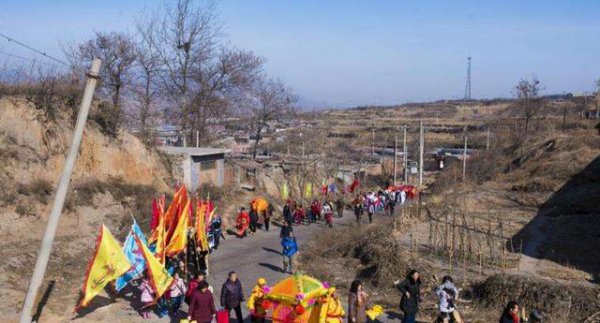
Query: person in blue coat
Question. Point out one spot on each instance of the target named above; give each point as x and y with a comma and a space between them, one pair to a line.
290, 248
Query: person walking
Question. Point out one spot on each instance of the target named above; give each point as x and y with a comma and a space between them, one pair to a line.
402, 197
511, 313
146, 298
286, 229
193, 285
392, 203
288, 215
358, 210
258, 312
242, 222
217, 231
232, 296
357, 303
370, 210
290, 248
253, 221
339, 207
411, 296
176, 293
202, 305
447, 294
268, 214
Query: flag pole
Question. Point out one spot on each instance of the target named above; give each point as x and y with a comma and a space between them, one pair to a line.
61, 193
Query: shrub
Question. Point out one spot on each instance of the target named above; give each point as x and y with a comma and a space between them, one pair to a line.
108, 117
40, 189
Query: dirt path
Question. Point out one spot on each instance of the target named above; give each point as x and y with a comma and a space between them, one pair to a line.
530, 258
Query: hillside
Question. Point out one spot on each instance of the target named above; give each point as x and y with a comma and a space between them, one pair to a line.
526, 220
114, 179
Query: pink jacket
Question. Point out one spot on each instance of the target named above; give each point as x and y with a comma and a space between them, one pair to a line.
178, 288
147, 292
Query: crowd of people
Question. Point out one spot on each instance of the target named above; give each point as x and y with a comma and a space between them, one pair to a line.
190, 284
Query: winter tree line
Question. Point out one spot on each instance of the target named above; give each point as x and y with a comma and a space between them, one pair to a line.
177, 67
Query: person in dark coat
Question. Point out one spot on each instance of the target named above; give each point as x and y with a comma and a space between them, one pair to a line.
232, 295
202, 305
253, 221
268, 214
511, 313
411, 296
286, 230
288, 215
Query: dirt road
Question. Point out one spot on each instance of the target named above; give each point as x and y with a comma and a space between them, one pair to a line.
251, 257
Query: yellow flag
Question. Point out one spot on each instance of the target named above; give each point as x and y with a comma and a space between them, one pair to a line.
158, 276
308, 192
178, 240
285, 191
160, 239
109, 263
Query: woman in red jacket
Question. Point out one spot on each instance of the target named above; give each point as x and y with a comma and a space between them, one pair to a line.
202, 306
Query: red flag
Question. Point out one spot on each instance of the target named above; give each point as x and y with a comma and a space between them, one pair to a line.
155, 214
355, 185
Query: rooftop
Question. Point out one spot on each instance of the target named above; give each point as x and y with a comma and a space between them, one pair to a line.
192, 151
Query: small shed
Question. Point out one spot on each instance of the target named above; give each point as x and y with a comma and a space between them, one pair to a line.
200, 165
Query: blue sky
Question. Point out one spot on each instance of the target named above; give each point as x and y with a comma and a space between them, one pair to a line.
344, 53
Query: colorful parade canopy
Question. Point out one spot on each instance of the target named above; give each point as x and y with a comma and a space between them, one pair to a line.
294, 298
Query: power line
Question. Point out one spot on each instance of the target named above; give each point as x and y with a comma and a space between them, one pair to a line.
27, 59
34, 50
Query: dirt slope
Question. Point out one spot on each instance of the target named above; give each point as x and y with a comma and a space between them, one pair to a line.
113, 178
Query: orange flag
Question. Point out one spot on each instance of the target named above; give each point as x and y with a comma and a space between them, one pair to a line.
108, 263
158, 276
178, 240
172, 218
179, 200
201, 238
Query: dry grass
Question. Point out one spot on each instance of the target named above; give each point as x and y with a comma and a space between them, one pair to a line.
559, 302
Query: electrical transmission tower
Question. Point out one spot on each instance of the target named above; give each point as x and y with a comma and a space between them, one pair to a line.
468, 85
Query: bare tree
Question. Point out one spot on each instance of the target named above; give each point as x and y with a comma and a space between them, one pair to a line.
220, 85
118, 54
530, 103
271, 100
186, 36
146, 87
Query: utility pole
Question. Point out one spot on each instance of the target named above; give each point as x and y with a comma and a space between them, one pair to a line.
197, 138
373, 144
405, 158
61, 192
302, 149
487, 141
395, 156
465, 160
421, 148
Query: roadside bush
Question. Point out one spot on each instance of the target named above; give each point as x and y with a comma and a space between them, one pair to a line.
208, 189
40, 189
25, 208
558, 301
108, 117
